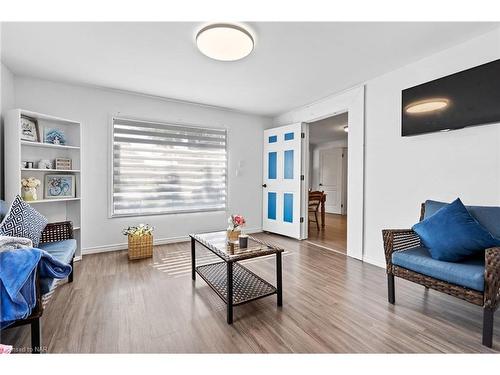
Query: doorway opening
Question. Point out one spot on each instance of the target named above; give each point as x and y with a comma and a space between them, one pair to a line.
327, 177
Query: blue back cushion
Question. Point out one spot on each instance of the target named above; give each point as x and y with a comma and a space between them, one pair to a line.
3, 209
451, 234
488, 217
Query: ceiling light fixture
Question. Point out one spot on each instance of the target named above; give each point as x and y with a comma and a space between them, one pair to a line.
428, 105
346, 129
225, 42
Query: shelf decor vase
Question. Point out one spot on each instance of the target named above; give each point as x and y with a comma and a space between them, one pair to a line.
29, 194
232, 235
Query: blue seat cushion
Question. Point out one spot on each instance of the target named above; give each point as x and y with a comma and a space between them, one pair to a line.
62, 251
468, 273
452, 234
488, 217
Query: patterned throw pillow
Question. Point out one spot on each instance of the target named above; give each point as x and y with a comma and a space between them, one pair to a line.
22, 220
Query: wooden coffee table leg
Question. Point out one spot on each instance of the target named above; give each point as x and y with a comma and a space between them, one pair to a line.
279, 286
193, 259
229, 293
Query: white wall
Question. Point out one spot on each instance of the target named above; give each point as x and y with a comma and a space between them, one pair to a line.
351, 101
400, 173
93, 107
314, 160
6, 103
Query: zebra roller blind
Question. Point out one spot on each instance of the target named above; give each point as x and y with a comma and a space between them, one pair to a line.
167, 168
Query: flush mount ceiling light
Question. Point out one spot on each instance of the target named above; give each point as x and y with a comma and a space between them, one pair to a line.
224, 42
428, 105
346, 129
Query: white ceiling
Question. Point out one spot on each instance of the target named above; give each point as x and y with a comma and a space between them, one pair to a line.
328, 130
293, 63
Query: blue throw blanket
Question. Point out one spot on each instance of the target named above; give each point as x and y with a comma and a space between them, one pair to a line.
18, 270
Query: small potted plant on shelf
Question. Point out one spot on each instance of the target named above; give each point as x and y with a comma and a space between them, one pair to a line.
236, 222
29, 186
140, 241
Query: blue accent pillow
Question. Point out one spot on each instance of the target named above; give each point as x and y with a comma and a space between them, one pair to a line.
22, 220
452, 234
3, 209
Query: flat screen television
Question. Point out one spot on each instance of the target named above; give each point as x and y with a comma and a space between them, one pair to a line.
467, 98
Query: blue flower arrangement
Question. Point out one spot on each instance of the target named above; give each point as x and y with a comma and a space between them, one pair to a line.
55, 136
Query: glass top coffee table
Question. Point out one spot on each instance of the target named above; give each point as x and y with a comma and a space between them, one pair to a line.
234, 283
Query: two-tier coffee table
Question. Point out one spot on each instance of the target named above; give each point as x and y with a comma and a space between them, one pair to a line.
234, 283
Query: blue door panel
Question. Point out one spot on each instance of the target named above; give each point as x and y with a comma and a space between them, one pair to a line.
288, 207
271, 206
288, 167
272, 165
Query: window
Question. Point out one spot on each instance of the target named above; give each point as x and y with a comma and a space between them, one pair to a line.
167, 168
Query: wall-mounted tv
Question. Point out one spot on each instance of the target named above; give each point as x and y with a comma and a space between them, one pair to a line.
467, 98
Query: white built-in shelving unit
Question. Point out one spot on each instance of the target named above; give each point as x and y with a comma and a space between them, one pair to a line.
18, 151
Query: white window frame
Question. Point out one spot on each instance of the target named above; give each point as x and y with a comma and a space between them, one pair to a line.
112, 214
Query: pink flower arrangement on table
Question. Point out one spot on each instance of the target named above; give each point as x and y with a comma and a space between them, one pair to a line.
235, 222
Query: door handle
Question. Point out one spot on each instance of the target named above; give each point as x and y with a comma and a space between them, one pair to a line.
264, 186
320, 184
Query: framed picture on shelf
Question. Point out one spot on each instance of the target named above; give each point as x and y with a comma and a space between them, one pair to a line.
29, 129
59, 186
54, 136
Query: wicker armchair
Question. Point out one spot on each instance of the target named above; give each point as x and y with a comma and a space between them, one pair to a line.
402, 239
53, 232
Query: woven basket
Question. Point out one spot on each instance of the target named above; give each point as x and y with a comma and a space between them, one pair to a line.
140, 246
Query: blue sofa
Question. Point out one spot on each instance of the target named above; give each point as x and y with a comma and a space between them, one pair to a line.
57, 239
475, 280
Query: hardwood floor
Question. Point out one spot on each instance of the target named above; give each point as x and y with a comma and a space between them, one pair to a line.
331, 304
333, 235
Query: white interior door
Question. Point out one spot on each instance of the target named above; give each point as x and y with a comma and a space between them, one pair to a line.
282, 184
330, 178
344, 181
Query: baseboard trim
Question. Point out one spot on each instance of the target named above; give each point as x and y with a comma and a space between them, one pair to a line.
365, 260
326, 248
159, 241
374, 262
